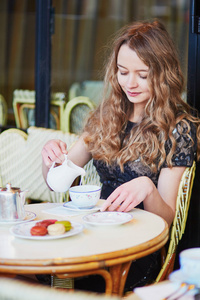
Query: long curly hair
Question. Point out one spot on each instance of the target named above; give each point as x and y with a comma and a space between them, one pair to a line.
164, 110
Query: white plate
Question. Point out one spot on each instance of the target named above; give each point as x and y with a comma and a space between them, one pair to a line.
71, 206
107, 218
29, 217
23, 231
178, 276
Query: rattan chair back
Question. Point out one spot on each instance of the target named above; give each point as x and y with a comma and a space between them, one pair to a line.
179, 223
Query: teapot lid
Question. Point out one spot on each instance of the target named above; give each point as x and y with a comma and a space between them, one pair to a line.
10, 189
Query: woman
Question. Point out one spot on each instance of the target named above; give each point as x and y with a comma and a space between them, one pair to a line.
142, 136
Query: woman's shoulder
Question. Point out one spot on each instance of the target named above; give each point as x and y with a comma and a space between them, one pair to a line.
185, 129
186, 143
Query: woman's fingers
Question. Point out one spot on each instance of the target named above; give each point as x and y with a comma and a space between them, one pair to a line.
63, 147
53, 151
114, 201
125, 197
126, 206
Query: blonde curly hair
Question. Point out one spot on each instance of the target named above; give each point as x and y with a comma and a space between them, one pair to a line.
164, 110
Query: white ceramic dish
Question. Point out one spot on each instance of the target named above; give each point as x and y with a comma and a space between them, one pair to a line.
178, 276
107, 218
30, 216
71, 206
23, 231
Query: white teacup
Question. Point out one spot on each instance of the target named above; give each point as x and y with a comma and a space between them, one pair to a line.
60, 178
190, 265
85, 196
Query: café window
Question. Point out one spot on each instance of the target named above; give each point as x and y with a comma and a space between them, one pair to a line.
82, 29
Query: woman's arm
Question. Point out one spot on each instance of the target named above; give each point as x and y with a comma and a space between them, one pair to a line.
54, 150
161, 200
166, 193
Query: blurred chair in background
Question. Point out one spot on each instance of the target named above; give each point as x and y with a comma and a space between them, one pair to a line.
24, 112
3, 111
89, 88
75, 114
68, 117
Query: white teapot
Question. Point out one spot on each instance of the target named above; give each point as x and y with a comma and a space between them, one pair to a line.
60, 178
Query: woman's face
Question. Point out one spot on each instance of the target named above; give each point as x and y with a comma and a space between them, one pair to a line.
132, 77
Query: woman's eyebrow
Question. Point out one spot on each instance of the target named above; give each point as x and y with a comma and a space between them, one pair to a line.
139, 70
142, 70
121, 66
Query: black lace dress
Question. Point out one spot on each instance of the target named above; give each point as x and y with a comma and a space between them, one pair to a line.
112, 177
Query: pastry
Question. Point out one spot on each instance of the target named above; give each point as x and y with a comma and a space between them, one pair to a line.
56, 229
67, 224
38, 230
46, 223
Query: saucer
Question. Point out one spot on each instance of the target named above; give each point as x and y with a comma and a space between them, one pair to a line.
69, 205
107, 218
178, 276
29, 217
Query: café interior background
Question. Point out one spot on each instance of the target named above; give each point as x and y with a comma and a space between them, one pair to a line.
82, 30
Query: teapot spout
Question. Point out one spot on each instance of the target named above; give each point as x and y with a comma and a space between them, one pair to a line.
75, 170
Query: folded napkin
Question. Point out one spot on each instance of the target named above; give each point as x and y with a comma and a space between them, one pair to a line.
161, 290
62, 211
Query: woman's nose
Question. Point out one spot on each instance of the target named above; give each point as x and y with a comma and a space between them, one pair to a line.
132, 82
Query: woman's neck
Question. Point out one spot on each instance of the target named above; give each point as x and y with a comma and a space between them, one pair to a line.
137, 114
135, 119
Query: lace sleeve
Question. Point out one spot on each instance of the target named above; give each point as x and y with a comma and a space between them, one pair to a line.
186, 146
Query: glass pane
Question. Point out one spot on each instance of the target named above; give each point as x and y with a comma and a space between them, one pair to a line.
17, 51
84, 28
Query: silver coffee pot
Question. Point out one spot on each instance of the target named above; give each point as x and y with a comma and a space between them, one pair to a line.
12, 201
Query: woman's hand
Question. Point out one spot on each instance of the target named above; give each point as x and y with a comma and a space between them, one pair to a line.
53, 151
160, 201
129, 195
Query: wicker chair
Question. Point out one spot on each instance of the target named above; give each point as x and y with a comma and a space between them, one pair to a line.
179, 223
88, 88
24, 109
75, 113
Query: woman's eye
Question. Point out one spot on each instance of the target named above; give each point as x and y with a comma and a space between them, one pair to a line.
123, 73
143, 76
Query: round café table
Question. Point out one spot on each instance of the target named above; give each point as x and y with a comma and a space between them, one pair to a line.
104, 250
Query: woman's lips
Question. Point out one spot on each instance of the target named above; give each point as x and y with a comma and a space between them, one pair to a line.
133, 94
